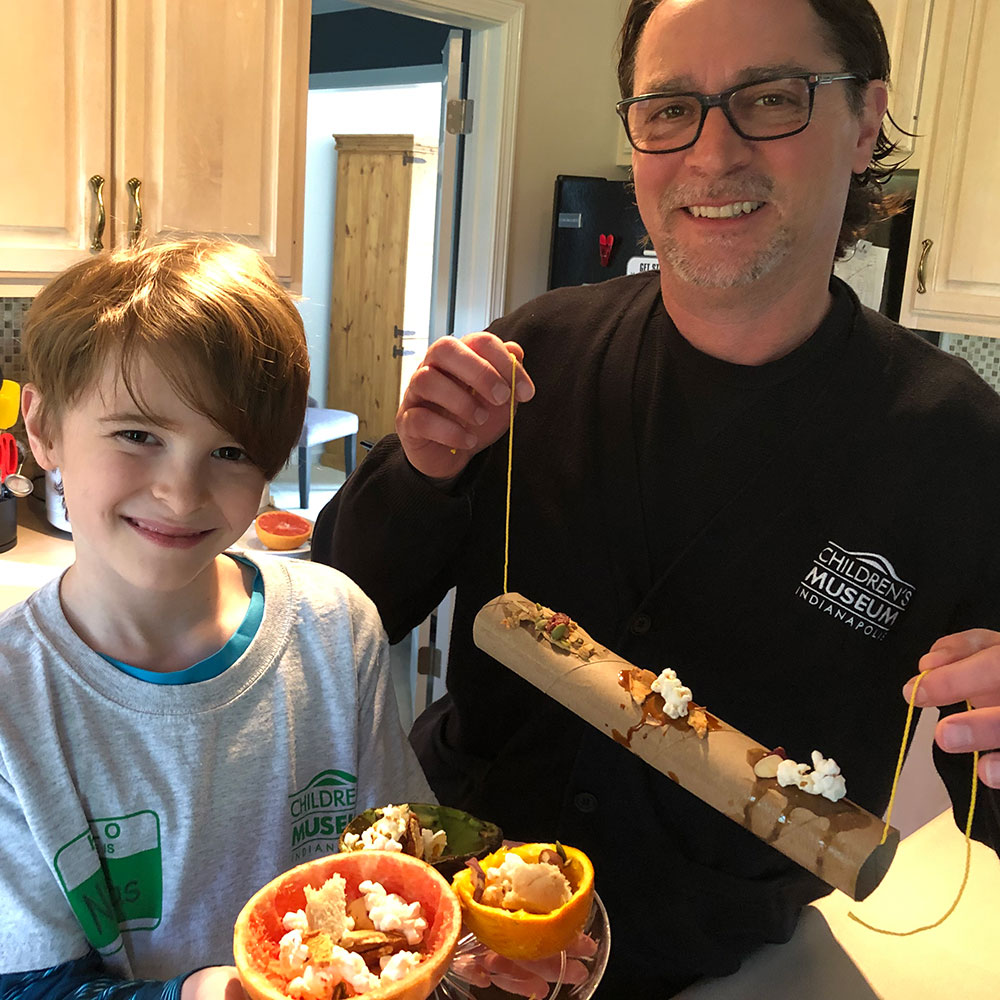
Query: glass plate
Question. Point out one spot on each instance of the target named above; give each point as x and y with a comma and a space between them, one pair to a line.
455, 987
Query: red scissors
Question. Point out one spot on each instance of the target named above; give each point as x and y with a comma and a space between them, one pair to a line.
8, 455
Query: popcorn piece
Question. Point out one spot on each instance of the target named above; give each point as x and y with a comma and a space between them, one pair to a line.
390, 912
791, 773
675, 695
350, 967
387, 832
827, 779
824, 779
396, 966
434, 844
295, 920
292, 953
520, 885
313, 984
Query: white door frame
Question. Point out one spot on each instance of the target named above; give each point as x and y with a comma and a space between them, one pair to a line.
488, 175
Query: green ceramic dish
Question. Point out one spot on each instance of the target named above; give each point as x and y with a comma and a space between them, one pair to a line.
468, 837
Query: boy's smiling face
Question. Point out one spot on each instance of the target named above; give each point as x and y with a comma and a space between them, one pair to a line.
152, 501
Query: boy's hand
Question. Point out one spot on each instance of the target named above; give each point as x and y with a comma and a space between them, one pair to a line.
458, 402
219, 982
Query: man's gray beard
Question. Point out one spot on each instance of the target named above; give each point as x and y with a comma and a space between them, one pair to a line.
721, 272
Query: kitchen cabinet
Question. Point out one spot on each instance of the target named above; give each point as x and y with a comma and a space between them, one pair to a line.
953, 279
181, 117
907, 26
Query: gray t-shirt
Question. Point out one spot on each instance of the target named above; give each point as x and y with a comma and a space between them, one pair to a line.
137, 818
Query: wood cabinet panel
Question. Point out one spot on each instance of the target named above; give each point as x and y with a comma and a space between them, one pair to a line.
210, 103
957, 212
203, 104
907, 26
55, 119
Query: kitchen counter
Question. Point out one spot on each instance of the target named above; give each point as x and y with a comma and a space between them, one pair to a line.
41, 553
830, 957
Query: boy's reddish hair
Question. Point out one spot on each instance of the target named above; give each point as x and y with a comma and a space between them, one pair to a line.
210, 314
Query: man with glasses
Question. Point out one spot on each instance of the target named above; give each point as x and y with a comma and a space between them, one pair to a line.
729, 468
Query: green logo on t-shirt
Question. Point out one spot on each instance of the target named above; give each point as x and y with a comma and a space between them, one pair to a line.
320, 811
112, 875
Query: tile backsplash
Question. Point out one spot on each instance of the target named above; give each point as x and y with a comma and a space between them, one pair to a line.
983, 353
11, 320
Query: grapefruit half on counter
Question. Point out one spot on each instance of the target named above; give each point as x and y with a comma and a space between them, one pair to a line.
259, 928
282, 530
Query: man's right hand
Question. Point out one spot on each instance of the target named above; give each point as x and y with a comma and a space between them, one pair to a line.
458, 402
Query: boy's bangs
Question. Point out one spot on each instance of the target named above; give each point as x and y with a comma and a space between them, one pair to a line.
205, 383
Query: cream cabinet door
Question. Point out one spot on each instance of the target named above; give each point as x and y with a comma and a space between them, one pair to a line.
210, 103
907, 27
953, 284
55, 118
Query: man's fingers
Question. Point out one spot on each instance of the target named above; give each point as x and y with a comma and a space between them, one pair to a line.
989, 769
957, 646
524, 388
975, 677
479, 361
422, 423
437, 389
964, 732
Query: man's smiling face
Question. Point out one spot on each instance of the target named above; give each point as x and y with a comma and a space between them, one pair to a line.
729, 212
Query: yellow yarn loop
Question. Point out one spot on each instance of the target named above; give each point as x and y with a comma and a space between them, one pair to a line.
888, 816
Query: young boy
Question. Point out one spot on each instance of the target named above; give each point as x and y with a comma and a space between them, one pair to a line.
179, 723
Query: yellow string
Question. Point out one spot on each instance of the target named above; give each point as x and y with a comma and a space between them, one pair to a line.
888, 816
510, 465
902, 756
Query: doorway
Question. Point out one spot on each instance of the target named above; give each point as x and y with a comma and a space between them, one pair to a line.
494, 43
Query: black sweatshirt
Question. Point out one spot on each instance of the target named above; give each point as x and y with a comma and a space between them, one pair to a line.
790, 538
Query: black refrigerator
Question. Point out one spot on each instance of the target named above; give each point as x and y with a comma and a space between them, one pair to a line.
596, 232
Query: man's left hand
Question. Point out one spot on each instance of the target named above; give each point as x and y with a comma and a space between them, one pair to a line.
965, 667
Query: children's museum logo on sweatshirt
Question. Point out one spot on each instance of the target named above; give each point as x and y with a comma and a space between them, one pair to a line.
320, 811
860, 589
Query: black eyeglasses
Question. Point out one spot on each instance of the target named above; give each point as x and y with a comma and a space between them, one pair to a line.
768, 109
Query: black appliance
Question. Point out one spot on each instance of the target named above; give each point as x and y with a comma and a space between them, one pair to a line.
587, 211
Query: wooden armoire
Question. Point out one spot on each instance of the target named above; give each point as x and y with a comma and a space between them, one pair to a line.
382, 262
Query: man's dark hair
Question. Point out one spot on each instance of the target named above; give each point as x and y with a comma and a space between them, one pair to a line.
854, 33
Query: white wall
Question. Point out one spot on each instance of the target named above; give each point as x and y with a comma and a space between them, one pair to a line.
566, 122
412, 109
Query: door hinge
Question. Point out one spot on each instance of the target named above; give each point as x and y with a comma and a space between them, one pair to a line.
429, 661
458, 117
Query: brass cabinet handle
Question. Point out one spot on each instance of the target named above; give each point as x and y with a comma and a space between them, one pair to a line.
133, 185
97, 185
921, 283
